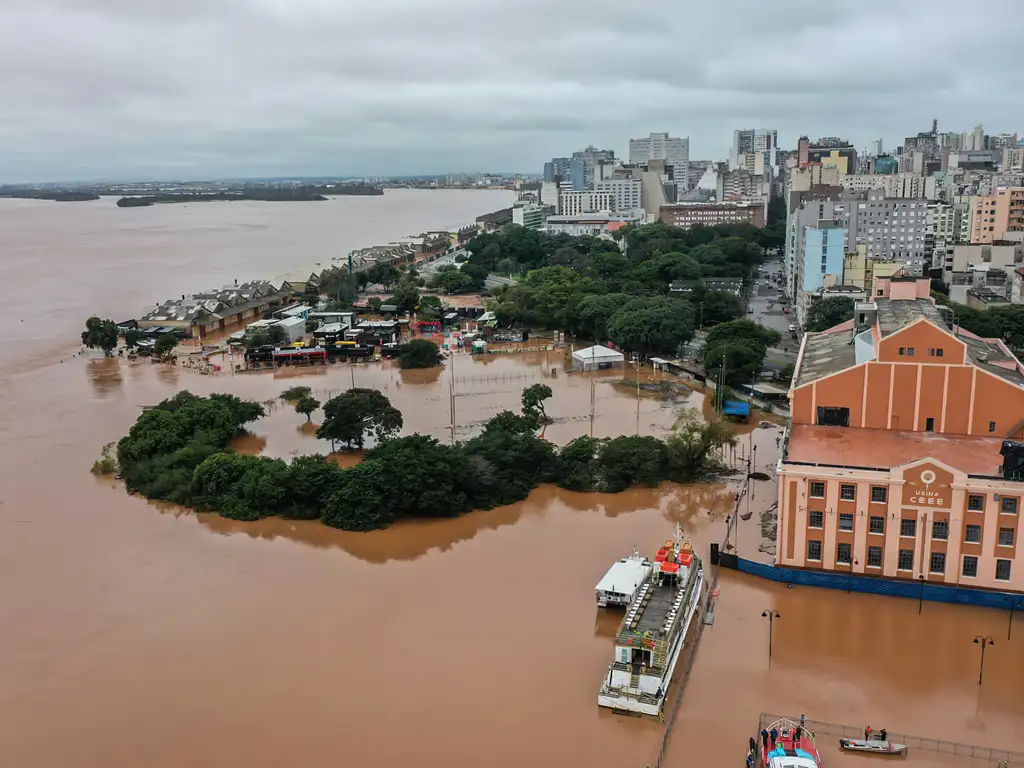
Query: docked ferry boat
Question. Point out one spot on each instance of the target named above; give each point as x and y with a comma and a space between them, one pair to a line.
652, 634
620, 585
788, 746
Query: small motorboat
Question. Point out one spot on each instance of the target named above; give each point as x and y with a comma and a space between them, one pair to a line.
874, 745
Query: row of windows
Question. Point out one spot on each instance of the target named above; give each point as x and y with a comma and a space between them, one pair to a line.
908, 528
879, 495
848, 492
936, 563
932, 352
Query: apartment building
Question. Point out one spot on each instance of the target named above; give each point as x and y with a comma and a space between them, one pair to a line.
824, 255
572, 202
996, 215
687, 215
674, 151
907, 185
892, 228
903, 458
761, 142
626, 193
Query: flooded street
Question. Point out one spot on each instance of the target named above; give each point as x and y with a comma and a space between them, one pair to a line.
139, 634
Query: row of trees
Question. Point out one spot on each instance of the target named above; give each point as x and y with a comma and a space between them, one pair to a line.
104, 334
177, 451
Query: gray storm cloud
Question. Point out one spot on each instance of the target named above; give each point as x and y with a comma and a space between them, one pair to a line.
149, 88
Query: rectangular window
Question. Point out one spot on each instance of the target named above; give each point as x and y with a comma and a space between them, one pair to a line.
940, 530
833, 417
903, 351
1006, 537
1003, 570
938, 352
972, 534
976, 503
817, 489
875, 557
970, 568
845, 521
879, 494
910, 351
877, 524
844, 553
814, 550
929, 425
847, 492
815, 520
908, 527
991, 426
1008, 505
937, 562
906, 561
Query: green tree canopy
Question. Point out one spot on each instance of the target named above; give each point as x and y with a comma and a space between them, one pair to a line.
406, 296
652, 326
100, 334
165, 343
419, 353
739, 346
533, 402
306, 405
829, 312
356, 414
132, 337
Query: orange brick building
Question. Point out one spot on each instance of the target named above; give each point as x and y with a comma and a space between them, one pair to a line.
894, 461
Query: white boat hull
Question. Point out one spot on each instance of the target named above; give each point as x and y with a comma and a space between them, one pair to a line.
629, 699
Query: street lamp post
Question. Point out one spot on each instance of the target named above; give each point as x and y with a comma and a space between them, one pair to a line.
1015, 602
982, 641
849, 575
771, 616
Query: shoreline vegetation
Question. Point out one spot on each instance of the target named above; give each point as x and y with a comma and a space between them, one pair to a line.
263, 194
56, 195
178, 452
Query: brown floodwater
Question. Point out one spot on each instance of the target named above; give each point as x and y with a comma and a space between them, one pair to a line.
136, 634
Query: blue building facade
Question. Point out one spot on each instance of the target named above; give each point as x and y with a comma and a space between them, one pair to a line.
824, 248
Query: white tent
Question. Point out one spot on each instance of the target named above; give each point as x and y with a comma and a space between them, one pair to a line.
593, 358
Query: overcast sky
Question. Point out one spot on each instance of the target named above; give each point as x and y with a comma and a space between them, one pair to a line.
204, 88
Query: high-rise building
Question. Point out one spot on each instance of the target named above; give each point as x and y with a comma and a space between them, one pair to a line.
997, 215
748, 141
572, 202
583, 163
557, 167
674, 151
625, 193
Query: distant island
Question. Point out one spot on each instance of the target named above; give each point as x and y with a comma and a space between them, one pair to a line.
58, 195
264, 194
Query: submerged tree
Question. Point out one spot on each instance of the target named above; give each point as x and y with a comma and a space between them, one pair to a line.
305, 405
533, 402
356, 413
100, 334
419, 353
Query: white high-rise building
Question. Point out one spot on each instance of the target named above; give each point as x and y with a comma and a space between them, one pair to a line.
625, 193
660, 146
750, 140
572, 202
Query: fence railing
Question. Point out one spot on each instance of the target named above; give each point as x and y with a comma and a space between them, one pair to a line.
938, 746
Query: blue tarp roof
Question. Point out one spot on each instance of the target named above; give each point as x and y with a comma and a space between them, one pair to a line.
735, 408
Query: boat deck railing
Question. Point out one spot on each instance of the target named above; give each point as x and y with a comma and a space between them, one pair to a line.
993, 755
652, 639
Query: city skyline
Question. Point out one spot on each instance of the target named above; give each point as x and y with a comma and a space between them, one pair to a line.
110, 89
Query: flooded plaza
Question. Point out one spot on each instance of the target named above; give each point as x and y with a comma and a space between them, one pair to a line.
140, 634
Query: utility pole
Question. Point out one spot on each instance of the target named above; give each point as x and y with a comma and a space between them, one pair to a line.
638, 397
592, 408
451, 394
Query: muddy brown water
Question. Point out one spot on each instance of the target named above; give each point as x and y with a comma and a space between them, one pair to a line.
135, 634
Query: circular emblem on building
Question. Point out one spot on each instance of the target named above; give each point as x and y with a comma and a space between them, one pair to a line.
927, 477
